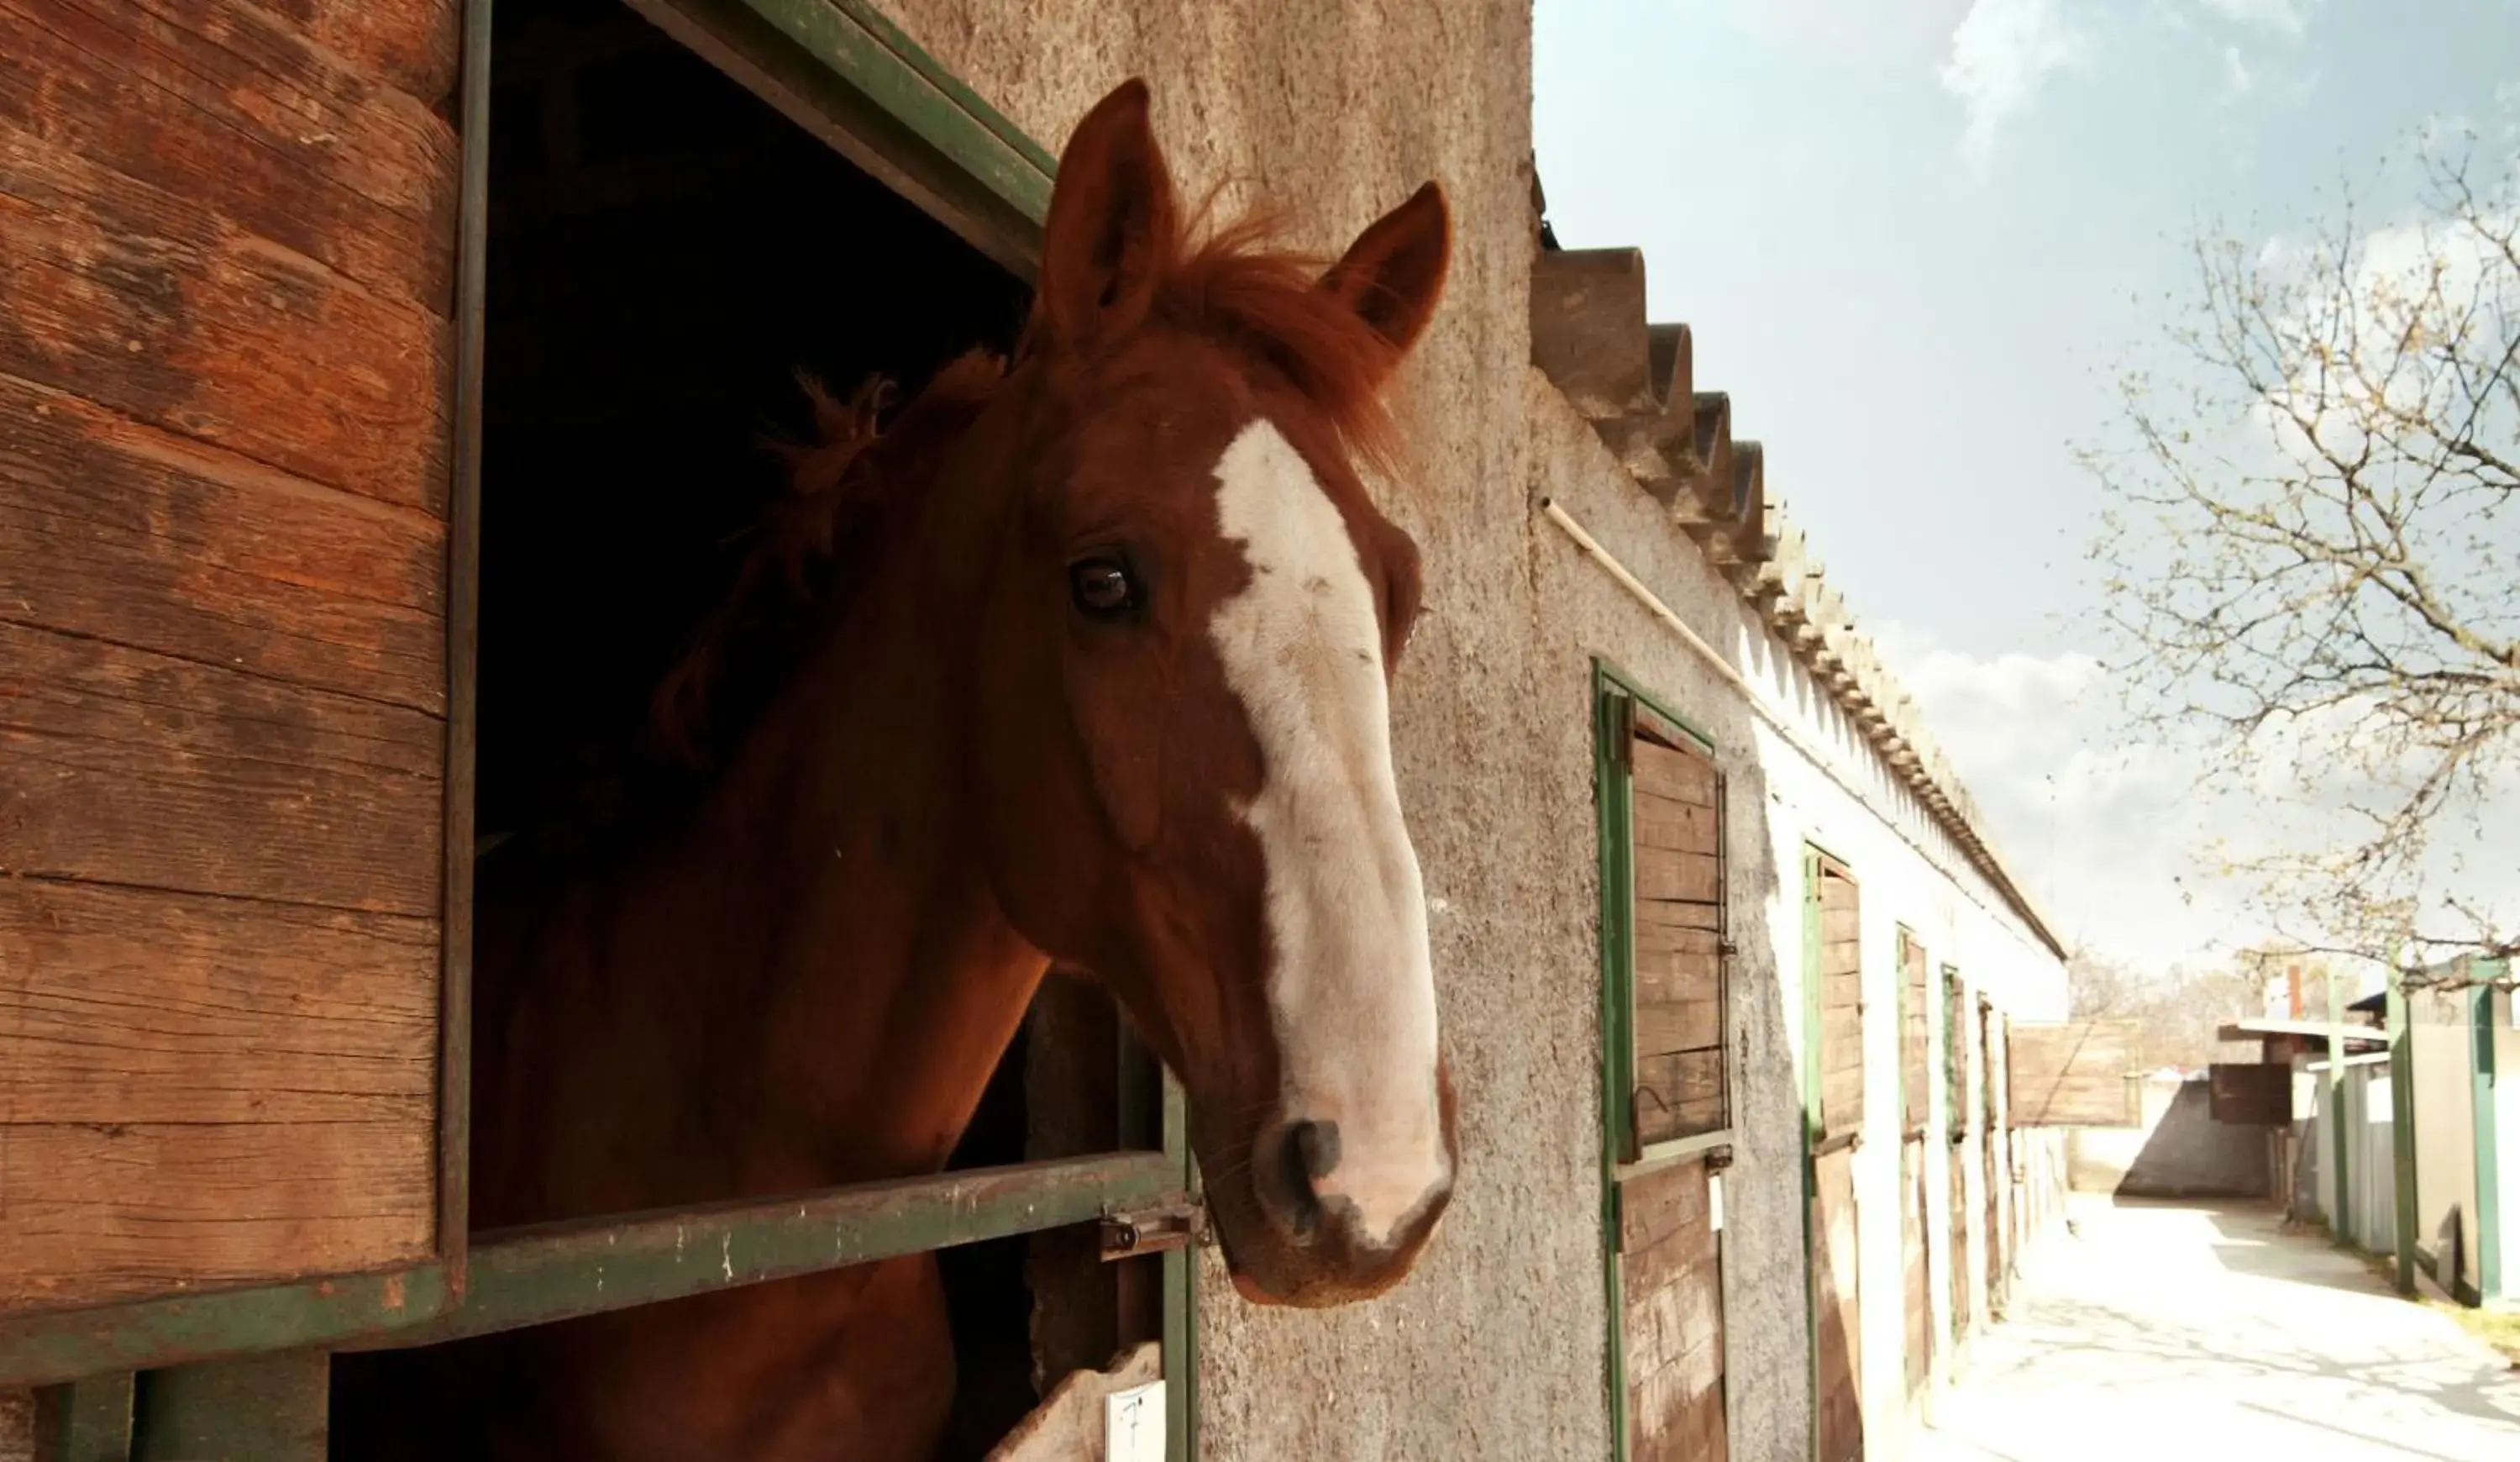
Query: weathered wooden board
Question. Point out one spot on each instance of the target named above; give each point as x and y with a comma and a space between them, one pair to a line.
1679, 1095
1837, 1322
1959, 1168
1692, 878
124, 767
227, 244
114, 531
1693, 928
1679, 827
1916, 1023
1675, 1026
2251, 1093
2073, 1075
1672, 1324
1680, 974
138, 297
1840, 995
128, 1006
276, 132
1679, 776
102, 1212
1915, 1255
1677, 1011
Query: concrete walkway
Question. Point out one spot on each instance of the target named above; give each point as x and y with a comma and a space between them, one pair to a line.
2168, 1332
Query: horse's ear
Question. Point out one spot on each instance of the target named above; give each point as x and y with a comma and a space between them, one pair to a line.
1112, 222
1393, 274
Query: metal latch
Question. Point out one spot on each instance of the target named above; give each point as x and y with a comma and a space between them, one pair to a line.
1144, 1231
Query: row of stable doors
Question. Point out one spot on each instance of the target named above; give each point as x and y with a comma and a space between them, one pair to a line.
1671, 1144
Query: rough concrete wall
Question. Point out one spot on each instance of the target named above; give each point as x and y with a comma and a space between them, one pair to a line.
2445, 1134
1766, 1332
1907, 872
1495, 1347
2179, 1151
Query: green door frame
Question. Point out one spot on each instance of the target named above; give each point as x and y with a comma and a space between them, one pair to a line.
1617, 702
2402, 1130
2483, 1078
852, 77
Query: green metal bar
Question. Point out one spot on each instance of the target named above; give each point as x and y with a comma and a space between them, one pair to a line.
896, 40
2340, 1222
264, 1408
875, 58
532, 1276
2402, 1128
85, 1421
1811, 1129
52, 1345
2488, 1146
1613, 816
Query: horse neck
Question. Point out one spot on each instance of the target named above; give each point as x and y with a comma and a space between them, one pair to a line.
860, 981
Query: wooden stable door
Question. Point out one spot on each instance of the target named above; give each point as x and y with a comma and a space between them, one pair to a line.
1916, 1101
1669, 1122
1670, 1282
1835, 1098
1991, 1049
226, 374
1956, 1027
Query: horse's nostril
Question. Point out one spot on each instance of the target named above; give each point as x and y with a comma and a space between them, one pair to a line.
1316, 1146
1302, 1208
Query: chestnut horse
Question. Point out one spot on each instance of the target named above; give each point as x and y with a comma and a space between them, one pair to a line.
1094, 670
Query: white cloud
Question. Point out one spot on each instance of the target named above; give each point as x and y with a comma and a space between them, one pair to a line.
2003, 52
2283, 16
2103, 831
2121, 841
2235, 71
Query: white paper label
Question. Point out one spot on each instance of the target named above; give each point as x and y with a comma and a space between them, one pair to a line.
1132, 1424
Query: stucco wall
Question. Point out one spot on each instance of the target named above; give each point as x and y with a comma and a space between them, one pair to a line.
1907, 870
1495, 1347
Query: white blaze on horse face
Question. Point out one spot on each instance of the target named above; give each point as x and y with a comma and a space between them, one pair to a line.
1351, 986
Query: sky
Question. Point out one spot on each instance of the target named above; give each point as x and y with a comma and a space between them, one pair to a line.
1917, 241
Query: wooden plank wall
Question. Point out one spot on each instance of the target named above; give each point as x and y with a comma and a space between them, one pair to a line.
1916, 1044
1916, 1101
1680, 1089
1671, 1275
1841, 994
227, 238
1955, 1059
1991, 1048
1918, 1301
1837, 1327
2071, 1074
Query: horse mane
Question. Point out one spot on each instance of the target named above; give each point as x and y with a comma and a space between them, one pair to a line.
1241, 286
1233, 285
808, 549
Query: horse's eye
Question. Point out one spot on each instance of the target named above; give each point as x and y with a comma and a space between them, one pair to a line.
1102, 587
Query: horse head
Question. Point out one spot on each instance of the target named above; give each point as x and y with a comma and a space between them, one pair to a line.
1182, 636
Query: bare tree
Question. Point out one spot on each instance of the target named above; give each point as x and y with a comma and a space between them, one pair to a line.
2176, 1016
2312, 563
